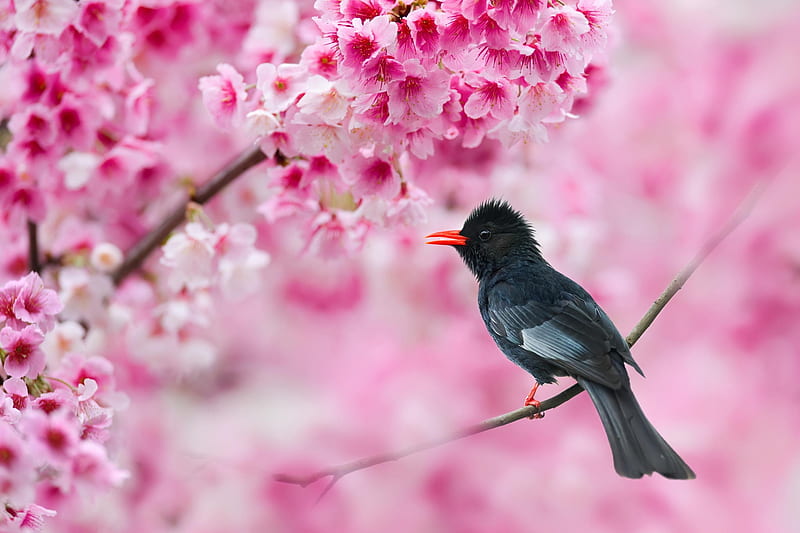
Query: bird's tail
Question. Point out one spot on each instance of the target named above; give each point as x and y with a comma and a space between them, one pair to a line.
637, 447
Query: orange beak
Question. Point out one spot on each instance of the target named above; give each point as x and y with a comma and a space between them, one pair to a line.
451, 237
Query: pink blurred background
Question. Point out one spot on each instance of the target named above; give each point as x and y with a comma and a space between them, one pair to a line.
340, 358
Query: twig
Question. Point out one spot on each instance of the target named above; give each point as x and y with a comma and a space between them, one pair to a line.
738, 216
338, 472
34, 264
142, 249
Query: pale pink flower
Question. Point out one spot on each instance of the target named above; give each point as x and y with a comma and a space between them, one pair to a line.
24, 357
323, 102
32, 517
280, 85
409, 208
53, 437
224, 95
91, 465
189, 255
105, 256
335, 233
540, 102
492, 96
421, 94
597, 13
240, 263
44, 16
564, 29
8, 412
261, 122
78, 168
16, 465
66, 337
525, 14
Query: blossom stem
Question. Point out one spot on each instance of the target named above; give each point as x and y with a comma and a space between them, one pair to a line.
142, 249
34, 264
335, 473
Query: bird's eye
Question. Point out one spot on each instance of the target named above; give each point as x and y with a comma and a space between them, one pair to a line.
485, 235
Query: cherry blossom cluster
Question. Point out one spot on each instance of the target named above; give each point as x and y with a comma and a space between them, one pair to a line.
53, 425
225, 257
385, 83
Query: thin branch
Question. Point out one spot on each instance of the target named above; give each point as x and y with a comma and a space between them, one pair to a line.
738, 216
142, 249
34, 263
335, 473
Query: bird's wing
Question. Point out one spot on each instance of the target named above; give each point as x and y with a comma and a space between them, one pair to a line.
572, 334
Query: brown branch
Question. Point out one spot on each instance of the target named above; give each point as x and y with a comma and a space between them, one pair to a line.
338, 472
142, 249
34, 263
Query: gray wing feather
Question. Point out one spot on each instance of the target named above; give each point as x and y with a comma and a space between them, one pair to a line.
570, 334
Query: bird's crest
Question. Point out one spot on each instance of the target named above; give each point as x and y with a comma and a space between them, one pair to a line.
500, 213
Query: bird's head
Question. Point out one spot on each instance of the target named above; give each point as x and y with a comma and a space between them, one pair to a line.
493, 235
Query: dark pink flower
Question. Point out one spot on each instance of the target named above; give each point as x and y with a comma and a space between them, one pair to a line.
525, 14
99, 19
372, 176
320, 58
426, 30
35, 304
456, 33
362, 40
404, 47
363, 9
24, 358
421, 94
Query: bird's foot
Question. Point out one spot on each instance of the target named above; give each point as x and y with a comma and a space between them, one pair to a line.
530, 402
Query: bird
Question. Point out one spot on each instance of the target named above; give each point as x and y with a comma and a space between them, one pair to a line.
550, 326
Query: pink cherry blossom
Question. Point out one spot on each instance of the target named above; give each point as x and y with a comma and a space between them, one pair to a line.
189, 254
23, 356
224, 95
372, 176
426, 29
564, 29
364, 39
421, 94
489, 96
323, 100
279, 85
44, 16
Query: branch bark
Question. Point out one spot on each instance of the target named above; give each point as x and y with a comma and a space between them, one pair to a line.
335, 473
142, 249
34, 263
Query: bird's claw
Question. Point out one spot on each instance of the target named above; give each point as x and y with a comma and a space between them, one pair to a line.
530, 402
537, 404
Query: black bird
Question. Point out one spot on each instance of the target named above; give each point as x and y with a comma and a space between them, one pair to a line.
550, 326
